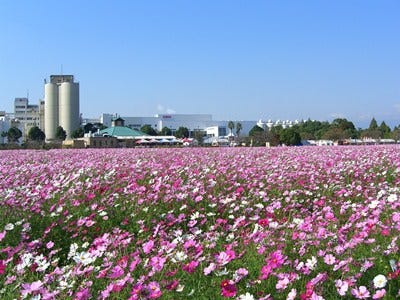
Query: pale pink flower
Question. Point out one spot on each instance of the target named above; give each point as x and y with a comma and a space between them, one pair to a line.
49, 245
379, 294
292, 295
209, 269
329, 259
282, 284
341, 286
90, 223
31, 288
223, 258
396, 217
361, 292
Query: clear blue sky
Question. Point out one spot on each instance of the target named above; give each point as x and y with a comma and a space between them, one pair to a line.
241, 60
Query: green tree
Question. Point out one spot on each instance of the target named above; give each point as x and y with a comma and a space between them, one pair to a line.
61, 134
373, 125
148, 130
99, 126
166, 131
395, 134
182, 132
347, 127
36, 134
273, 135
238, 128
312, 130
14, 134
199, 136
78, 133
255, 130
385, 130
371, 133
89, 127
231, 126
334, 134
290, 137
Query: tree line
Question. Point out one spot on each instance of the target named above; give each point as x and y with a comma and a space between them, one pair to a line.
339, 129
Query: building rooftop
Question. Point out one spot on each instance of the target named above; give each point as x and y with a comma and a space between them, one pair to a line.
122, 131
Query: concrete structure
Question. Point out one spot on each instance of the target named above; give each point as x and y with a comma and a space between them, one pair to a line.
27, 115
61, 102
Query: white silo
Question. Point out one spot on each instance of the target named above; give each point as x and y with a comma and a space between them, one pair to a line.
50, 110
69, 107
61, 105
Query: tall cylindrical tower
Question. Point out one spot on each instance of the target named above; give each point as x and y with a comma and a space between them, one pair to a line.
50, 110
69, 107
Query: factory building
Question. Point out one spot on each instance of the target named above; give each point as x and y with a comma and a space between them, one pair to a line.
61, 101
28, 115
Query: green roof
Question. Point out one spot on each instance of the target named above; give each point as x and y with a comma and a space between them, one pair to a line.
122, 131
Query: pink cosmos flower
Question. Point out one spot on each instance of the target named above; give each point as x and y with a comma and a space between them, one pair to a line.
228, 288
209, 269
263, 222
292, 295
157, 263
2, 235
116, 272
2, 267
239, 274
147, 247
172, 285
154, 290
191, 266
361, 292
31, 288
133, 264
80, 222
265, 271
225, 257
396, 217
379, 294
276, 259
83, 294
329, 259
90, 223
282, 284
49, 245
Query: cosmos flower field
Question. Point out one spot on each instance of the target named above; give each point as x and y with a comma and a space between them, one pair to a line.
200, 223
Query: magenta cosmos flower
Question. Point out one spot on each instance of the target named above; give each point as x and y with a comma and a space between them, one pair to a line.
228, 288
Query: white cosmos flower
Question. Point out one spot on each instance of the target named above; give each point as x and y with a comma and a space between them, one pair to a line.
373, 204
392, 198
9, 227
102, 213
180, 256
84, 258
311, 263
380, 281
246, 296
